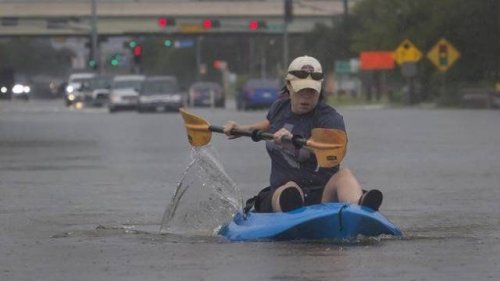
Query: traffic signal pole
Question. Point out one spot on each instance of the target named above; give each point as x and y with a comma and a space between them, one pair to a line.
346, 8
198, 58
285, 45
94, 52
287, 18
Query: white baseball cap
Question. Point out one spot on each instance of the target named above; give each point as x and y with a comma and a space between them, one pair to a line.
308, 64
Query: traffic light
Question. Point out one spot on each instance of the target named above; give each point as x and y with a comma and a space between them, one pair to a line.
443, 54
129, 44
92, 64
137, 52
168, 43
165, 21
257, 25
209, 24
114, 60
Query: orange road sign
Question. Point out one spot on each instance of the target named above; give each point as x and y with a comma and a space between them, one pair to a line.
407, 52
191, 28
376, 60
443, 55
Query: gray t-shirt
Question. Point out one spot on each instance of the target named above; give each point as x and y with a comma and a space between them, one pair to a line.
299, 165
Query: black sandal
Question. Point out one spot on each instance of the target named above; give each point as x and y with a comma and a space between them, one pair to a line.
371, 199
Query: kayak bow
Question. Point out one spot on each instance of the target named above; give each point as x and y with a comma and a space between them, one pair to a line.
335, 221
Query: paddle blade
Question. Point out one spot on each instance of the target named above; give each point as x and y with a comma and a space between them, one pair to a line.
197, 129
329, 145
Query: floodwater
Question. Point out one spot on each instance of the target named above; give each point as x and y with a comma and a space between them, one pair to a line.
83, 194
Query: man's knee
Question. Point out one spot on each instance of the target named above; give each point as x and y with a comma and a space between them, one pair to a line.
344, 172
287, 197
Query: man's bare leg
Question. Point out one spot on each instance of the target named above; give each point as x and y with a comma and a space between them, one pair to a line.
342, 187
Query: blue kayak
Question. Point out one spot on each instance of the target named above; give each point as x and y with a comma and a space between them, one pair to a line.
336, 221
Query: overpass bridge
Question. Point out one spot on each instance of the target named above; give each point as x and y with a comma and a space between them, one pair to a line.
129, 17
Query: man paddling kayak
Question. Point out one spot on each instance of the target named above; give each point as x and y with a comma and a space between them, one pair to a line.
296, 179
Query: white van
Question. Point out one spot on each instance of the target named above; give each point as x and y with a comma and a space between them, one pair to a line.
73, 93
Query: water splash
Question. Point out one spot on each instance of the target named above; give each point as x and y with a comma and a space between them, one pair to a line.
205, 196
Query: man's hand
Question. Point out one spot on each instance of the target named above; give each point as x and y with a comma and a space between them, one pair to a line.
278, 136
228, 127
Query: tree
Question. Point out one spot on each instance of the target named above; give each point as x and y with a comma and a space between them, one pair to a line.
34, 56
472, 26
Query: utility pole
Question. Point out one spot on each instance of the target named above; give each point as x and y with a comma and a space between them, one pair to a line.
285, 45
94, 52
287, 18
198, 58
346, 8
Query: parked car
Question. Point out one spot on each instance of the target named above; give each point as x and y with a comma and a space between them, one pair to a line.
160, 93
200, 94
73, 93
258, 93
124, 93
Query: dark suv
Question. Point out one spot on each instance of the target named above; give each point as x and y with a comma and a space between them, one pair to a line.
160, 93
206, 93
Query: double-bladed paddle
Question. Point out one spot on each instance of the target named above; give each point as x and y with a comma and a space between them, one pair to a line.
329, 145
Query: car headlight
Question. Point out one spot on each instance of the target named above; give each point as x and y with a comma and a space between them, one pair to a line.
18, 89
70, 89
3, 90
71, 97
27, 89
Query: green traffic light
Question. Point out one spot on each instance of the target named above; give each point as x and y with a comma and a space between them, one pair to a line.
168, 43
92, 63
132, 44
114, 62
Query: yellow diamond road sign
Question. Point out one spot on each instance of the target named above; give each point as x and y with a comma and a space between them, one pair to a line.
407, 52
443, 55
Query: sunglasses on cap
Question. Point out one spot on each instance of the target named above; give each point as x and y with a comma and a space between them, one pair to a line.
302, 74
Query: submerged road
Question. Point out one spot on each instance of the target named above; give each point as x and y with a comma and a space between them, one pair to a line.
82, 194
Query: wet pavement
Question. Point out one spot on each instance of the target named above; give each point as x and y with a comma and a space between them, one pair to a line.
82, 194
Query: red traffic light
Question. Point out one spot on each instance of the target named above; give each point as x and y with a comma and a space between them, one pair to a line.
253, 25
137, 51
256, 25
164, 22
443, 48
209, 23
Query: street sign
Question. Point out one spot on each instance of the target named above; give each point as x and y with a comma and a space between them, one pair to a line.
191, 28
347, 66
185, 43
376, 60
342, 67
443, 55
407, 52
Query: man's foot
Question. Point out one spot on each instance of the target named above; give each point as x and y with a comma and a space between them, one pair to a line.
290, 199
371, 199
